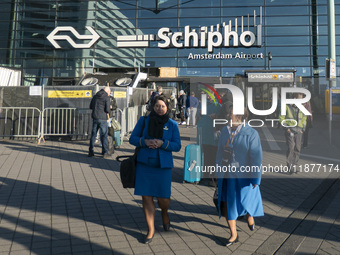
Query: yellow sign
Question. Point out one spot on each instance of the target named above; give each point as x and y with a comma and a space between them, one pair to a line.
275, 76
119, 94
69, 93
335, 100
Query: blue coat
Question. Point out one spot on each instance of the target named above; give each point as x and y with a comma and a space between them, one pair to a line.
239, 193
171, 138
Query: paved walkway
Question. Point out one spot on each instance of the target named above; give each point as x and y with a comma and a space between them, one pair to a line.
56, 200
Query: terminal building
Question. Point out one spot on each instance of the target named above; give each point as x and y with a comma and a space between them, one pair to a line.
51, 49
57, 42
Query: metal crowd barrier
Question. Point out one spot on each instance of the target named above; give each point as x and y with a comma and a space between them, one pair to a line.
19, 122
34, 123
132, 114
58, 121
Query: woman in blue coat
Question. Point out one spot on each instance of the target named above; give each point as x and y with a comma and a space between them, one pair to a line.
160, 137
240, 153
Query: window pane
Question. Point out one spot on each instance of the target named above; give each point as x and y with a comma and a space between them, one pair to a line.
199, 12
198, 22
287, 62
152, 23
156, 14
156, 5
289, 40
200, 3
115, 14
212, 72
243, 3
238, 12
288, 20
156, 52
236, 71
287, 30
159, 62
281, 10
289, 51
287, 2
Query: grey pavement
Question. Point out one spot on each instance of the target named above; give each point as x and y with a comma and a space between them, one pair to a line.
56, 200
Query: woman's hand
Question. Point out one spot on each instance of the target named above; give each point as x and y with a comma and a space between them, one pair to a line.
149, 143
153, 143
158, 143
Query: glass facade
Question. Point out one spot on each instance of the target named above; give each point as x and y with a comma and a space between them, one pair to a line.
294, 32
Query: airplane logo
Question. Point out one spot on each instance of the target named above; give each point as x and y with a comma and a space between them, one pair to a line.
52, 37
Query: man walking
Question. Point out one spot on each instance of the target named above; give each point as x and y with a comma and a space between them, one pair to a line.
192, 104
100, 105
295, 125
182, 98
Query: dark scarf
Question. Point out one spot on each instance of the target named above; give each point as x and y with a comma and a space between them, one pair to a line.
156, 124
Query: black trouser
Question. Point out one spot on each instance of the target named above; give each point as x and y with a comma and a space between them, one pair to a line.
182, 114
209, 152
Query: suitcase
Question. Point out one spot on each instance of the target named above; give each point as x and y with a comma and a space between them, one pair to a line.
192, 158
118, 140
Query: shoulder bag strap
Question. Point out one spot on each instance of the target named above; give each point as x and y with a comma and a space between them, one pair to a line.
119, 158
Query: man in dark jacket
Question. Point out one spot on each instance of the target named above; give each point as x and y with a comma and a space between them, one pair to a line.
100, 105
182, 106
192, 105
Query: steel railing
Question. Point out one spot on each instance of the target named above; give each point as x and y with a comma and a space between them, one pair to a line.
20, 122
34, 123
58, 121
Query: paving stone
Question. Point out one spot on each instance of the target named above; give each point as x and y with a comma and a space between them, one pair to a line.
160, 248
90, 213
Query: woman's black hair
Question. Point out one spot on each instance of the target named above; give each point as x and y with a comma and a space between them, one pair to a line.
163, 98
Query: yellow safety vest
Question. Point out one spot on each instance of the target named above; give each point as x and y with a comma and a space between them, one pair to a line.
301, 119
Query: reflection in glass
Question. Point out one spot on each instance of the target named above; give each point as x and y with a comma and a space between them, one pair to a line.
290, 33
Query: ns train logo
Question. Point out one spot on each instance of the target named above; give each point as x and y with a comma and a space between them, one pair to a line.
53, 37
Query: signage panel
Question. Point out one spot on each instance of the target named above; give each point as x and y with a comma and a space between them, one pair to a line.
270, 77
119, 94
70, 94
332, 69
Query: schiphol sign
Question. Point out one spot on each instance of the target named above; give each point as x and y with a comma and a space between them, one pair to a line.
216, 36
225, 35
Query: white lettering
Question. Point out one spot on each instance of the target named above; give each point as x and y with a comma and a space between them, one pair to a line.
256, 120
262, 112
249, 122
188, 35
174, 40
219, 122
227, 35
298, 102
211, 42
247, 35
238, 100
162, 35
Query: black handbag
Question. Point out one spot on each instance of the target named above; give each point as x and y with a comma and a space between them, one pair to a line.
128, 167
215, 200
